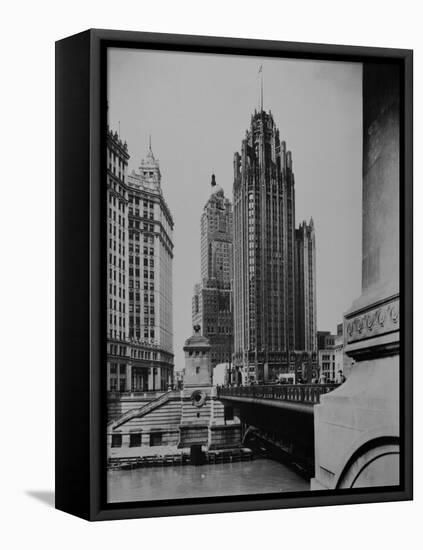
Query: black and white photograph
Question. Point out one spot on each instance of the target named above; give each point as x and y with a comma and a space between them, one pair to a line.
210, 278
253, 275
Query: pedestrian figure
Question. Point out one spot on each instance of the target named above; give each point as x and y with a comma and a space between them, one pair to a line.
340, 379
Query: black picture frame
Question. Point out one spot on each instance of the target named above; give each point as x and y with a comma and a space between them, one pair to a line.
80, 315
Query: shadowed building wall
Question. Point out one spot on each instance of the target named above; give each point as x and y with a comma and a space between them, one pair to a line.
305, 279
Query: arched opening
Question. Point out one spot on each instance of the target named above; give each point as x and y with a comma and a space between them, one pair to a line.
374, 464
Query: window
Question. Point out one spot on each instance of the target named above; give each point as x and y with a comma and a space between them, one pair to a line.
116, 440
135, 440
155, 439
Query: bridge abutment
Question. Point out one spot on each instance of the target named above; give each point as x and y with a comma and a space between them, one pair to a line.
357, 425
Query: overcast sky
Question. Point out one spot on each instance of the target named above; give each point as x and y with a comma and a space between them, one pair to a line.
197, 108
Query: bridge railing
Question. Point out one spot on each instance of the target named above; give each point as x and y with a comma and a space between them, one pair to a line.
148, 394
298, 393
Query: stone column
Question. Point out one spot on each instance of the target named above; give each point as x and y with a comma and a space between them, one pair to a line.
108, 376
128, 377
151, 380
357, 425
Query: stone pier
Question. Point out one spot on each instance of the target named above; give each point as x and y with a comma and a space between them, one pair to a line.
357, 425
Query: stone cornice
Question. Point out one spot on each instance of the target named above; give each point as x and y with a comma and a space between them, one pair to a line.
373, 329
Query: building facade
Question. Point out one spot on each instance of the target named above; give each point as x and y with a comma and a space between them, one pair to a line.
118, 373
343, 362
212, 298
328, 355
327, 365
140, 226
305, 279
325, 339
265, 253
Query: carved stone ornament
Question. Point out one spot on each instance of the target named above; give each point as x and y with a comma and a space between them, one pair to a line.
377, 321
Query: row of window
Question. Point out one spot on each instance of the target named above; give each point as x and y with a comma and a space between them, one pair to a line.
136, 237
113, 333
113, 320
112, 200
117, 262
145, 226
142, 354
116, 187
137, 309
113, 305
112, 290
114, 349
136, 284
112, 275
112, 246
112, 216
136, 321
137, 202
145, 213
136, 333
137, 249
220, 330
136, 272
155, 439
135, 296
136, 260
114, 369
112, 231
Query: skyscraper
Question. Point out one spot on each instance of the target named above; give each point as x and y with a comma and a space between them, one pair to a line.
150, 278
139, 277
265, 269
117, 258
212, 300
306, 330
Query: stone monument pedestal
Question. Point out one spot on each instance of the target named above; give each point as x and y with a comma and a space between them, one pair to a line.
202, 418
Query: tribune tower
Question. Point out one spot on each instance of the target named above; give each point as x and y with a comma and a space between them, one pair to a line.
265, 256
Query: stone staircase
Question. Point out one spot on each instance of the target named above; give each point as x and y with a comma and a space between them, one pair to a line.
144, 409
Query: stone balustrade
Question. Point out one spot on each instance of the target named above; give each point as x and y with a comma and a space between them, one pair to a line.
297, 393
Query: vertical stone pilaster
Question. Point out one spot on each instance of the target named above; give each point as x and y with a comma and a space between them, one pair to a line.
357, 425
128, 377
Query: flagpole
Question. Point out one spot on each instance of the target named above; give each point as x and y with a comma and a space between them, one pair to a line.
260, 71
261, 95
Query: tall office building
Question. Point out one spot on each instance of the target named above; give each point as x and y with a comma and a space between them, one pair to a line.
306, 331
140, 248
150, 249
117, 256
265, 272
212, 300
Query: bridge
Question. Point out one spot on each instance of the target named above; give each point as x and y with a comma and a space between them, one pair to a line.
300, 397
279, 418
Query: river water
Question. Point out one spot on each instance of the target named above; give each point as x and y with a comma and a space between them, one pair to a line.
209, 480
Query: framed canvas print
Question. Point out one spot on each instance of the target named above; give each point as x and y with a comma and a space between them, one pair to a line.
233, 274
